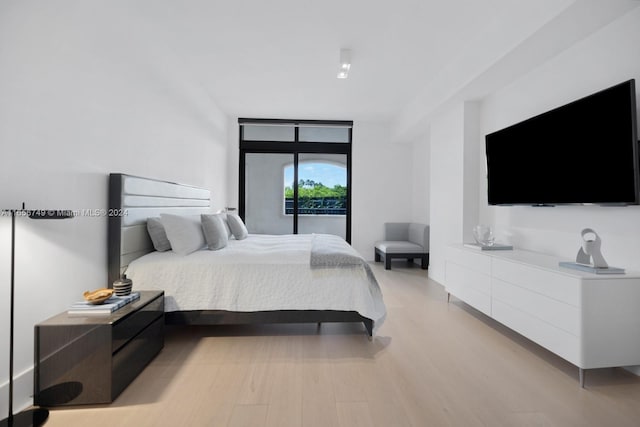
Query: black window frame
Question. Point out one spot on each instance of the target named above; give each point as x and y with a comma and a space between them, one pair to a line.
295, 147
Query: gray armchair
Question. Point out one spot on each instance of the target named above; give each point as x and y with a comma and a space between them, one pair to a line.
403, 240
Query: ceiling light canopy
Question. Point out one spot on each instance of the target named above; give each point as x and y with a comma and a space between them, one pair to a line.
345, 63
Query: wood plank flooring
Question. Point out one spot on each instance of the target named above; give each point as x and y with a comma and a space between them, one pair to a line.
431, 364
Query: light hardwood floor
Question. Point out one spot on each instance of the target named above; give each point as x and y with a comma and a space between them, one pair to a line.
431, 364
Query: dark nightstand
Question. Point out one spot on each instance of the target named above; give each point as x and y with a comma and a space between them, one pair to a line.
92, 359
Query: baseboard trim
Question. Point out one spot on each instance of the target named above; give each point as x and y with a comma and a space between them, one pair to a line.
22, 393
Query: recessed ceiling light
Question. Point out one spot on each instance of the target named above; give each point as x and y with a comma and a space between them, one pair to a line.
345, 63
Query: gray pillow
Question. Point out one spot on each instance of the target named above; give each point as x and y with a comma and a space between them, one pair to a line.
237, 227
223, 217
215, 231
158, 235
184, 232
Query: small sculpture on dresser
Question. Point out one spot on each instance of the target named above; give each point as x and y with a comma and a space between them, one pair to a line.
589, 257
590, 252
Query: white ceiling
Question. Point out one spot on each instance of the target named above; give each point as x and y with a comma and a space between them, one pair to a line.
279, 58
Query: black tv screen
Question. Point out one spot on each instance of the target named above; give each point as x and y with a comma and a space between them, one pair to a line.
585, 152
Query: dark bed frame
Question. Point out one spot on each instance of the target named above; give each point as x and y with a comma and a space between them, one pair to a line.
134, 199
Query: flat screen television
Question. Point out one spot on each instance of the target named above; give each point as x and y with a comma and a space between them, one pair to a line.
585, 152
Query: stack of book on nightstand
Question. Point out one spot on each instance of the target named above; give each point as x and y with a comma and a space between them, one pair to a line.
84, 308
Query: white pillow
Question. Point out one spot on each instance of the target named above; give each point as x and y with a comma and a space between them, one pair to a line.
184, 232
158, 235
215, 231
237, 227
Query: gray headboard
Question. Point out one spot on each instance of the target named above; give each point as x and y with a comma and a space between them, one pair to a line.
133, 199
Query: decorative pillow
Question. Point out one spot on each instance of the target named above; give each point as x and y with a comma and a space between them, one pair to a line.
237, 227
215, 231
223, 217
158, 235
184, 232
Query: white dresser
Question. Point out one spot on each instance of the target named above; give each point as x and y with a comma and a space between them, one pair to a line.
591, 320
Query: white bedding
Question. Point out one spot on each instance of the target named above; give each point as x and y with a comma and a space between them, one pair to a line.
259, 273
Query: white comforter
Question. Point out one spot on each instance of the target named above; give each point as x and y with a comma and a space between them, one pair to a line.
260, 273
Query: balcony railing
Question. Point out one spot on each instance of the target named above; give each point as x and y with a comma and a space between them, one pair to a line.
317, 206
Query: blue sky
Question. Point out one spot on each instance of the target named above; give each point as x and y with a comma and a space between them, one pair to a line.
326, 173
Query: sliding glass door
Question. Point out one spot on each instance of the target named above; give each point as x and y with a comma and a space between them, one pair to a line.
295, 177
264, 204
322, 194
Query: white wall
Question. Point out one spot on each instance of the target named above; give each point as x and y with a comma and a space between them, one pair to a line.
233, 159
446, 208
607, 57
471, 168
420, 180
85, 91
454, 190
381, 181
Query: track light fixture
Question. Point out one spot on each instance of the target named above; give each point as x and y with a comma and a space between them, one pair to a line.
345, 63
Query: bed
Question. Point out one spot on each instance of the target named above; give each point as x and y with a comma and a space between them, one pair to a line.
261, 279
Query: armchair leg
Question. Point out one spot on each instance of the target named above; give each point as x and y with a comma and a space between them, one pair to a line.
387, 262
376, 256
425, 262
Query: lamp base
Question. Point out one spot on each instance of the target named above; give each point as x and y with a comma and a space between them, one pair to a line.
29, 418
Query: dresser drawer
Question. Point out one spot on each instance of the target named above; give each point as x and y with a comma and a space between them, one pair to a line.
470, 287
133, 357
556, 313
557, 286
459, 276
475, 299
475, 261
127, 328
553, 339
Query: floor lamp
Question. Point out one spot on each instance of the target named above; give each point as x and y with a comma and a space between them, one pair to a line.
37, 416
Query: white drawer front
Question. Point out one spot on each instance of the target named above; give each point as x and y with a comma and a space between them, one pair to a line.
457, 275
475, 261
475, 299
561, 315
470, 287
556, 286
553, 339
